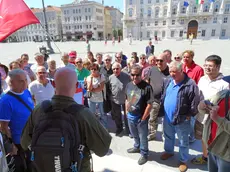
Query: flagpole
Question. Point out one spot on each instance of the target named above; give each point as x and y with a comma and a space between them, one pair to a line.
47, 29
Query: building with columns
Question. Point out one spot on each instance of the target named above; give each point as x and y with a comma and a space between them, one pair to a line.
172, 19
83, 19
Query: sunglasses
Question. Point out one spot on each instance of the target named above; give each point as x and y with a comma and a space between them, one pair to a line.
79, 62
142, 58
94, 69
132, 74
176, 58
107, 60
116, 68
159, 60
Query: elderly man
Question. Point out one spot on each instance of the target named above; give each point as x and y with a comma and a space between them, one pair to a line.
130, 63
82, 72
118, 82
179, 103
119, 59
138, 105
161, 62
193, 70
15, 109
151, 62
52, 69
66, 63
39, 62
143, 63
93, 135
41, 89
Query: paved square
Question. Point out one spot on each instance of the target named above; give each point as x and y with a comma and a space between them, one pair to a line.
118, 160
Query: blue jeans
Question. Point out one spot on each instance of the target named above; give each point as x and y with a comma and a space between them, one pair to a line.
103, 116
192, 134
139, 131
183, 131
216, 164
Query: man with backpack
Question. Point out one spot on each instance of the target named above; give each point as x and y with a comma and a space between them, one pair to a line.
216, 134
61, 133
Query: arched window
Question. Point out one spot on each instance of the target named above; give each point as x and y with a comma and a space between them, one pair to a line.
157, 10
174, 10
217, 8
165, 11
194, 10
149, 12
206, 8
183, 10
130, 12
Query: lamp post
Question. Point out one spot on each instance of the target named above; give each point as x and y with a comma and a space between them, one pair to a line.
47, 29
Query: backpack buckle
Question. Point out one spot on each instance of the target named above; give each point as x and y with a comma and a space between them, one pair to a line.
81, 148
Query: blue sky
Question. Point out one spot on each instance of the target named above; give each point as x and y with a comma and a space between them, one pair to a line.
38, 3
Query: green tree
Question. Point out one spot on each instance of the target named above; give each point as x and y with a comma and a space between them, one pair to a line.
120, 32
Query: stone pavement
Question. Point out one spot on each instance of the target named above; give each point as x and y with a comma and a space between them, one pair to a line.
118, 160
9, 52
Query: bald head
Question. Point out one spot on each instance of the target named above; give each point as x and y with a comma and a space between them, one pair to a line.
65, 81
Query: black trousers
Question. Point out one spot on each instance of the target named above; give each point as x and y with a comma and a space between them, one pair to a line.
22, 160
117, 116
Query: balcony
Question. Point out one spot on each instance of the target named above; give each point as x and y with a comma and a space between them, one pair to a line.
128, 18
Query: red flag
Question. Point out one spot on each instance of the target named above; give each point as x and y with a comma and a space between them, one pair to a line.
202, 2
14, 14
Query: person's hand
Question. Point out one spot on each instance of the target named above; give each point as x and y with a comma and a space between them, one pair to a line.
202, 105
14, 150
214, 113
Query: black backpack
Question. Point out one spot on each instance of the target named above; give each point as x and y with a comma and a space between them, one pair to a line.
56, 144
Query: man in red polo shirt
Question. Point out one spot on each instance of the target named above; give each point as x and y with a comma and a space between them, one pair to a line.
193, 70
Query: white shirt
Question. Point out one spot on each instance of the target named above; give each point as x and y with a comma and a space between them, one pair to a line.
41, 92
69, 65
209, 87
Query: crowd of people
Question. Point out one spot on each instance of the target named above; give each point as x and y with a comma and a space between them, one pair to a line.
135, 91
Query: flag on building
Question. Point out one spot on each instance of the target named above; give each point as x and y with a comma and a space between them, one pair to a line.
199, 2
211, 1
186, 4
14, 14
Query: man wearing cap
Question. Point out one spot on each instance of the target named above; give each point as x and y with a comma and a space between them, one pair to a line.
82, 72
72, 57
216, 134
66, 63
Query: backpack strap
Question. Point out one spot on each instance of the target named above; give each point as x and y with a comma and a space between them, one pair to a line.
227, 105
20, 100
46, 106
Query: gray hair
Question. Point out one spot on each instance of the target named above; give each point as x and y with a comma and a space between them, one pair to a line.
142, 55
16, 72
40, 67
116, 64
107, 56
176, 64
38, 55
136, 67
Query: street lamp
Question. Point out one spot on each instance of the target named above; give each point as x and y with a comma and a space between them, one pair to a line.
47, 29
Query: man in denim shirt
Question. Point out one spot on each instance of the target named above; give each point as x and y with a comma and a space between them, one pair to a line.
138, 105
179, 103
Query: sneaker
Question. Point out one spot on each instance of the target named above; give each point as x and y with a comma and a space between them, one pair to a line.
150, 138
199, 160
166, 156
119, 131
183, 167
142, 160
133, 150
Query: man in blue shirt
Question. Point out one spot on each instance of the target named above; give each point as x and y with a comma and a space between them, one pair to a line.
179, 103
13, 113
138, 105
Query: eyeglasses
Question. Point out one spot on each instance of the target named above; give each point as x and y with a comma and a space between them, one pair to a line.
107, 60
41, 72
79, 62
159, 60
143, 58
133, 74
118, 57
94, 69
176, 58
116, 68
